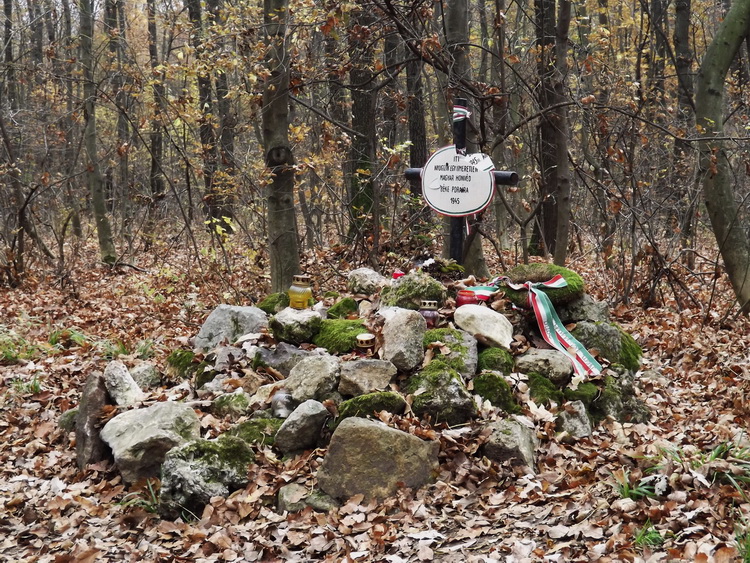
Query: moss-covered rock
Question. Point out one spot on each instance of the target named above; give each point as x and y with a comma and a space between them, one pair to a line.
201, 469
68, 420
343, 309
618, 400
611, 342
495, 359
365, 405
257, 430
586, 393
184, 364
440, 393
541, 272
492, 387
463, 349
295, 326
274, 303
542, 390
231, 404
408, 291
339, 336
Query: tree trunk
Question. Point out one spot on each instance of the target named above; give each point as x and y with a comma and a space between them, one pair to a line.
543, 237
713, 164
10, 73
282, 230
361, 75
562, 170
457, 38
96, 182
156, 135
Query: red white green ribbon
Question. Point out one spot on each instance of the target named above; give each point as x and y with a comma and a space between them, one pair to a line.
460, 112
552, 329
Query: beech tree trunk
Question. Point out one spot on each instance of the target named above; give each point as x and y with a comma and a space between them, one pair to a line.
93, 171
725, 214
282, 227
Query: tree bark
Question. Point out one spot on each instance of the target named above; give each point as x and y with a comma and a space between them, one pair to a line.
96, 181
713, 162
562, 169
156, 135
282, 230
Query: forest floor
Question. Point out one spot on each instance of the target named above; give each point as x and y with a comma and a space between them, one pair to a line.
589, 501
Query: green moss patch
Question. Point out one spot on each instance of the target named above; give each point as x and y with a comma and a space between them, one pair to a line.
453, 339
228, 451
339, 336
365, 405
586, 393
541, 272
259, 431
630, 352
343, 309
274, 303
495, 359
183, 364
542, 390
492, 387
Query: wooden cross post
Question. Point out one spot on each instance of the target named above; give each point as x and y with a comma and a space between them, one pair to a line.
457, 234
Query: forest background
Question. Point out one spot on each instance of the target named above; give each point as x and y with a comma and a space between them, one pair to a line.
205, 152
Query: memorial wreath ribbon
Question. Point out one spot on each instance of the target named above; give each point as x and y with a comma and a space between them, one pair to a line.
552, 329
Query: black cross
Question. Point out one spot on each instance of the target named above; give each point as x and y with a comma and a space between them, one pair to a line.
502, 178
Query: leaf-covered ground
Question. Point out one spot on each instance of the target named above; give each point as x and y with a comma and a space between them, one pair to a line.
669, 490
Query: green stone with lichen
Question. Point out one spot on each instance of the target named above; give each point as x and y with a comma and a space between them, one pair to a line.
409, 291
492, 387
366, 405
229, 451
541, 272
453, 339
231, 404
439, 391
182, 364
339, 336
542, 390
274, 303
610, 341
257, 430
343, 309
495, 359
586, 393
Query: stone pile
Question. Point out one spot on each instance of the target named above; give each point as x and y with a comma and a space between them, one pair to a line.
305, 388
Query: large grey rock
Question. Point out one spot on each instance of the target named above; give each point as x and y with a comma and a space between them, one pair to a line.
315, 377
552, 364
365, 376
227, 323
583, 309
301, 430
403, 332
439, 392
295, 326
365, 280
141, 438
120, 385
367, 457
198, 470
487, 325
573, 421
90, 448
510, 440
282, 358
146, 375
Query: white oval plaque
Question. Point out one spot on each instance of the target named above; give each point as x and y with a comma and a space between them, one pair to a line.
456, 184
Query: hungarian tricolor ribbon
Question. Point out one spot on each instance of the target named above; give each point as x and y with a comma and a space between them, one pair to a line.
551, 327
460, 112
